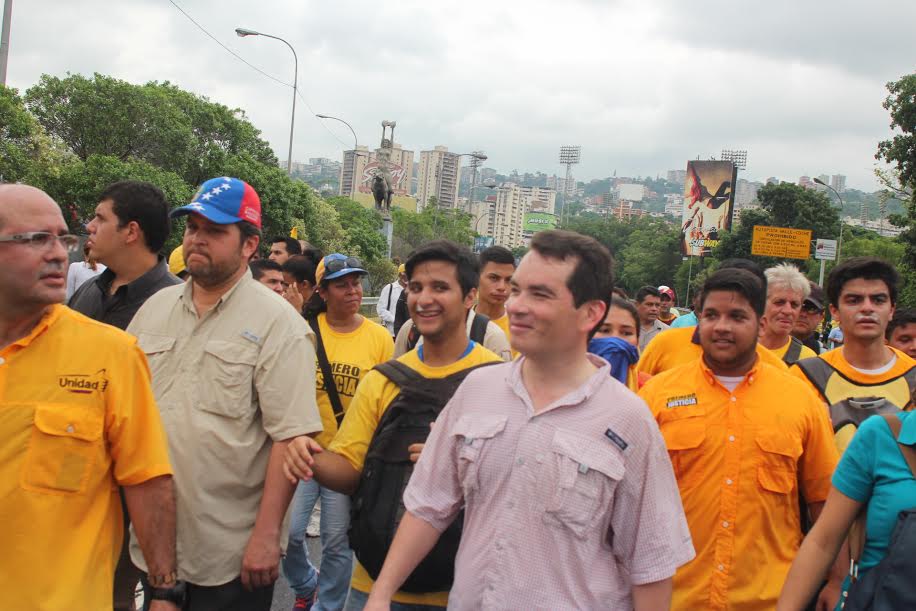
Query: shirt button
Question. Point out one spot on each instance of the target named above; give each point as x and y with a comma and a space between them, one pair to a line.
721, 567
520, 461
734, 399
731, 438
511, 504
728, 482
2, 360
725, 524
70, 428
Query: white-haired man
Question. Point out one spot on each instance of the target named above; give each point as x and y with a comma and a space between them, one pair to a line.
787, 289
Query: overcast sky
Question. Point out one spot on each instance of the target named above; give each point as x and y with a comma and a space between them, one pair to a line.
641, 85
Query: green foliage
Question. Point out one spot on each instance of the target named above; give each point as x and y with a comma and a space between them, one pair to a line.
900, 151
363, 228
381, 272
433, 223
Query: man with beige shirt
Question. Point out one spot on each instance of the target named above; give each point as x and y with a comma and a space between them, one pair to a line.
234, 375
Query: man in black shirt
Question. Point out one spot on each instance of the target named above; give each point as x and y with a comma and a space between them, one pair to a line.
130, 226
129, 229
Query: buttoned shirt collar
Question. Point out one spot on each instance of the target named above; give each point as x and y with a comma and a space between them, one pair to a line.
48, 319
575, 397
749, 377
187, 296
138, 289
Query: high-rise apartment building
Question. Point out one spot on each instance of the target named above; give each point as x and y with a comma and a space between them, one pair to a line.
677, 176
838, 182
508, 214
438, 177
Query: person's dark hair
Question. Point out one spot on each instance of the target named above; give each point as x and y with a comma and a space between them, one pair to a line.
746, 265
466, 267
623, 304
247, 230
592, 279
620, 292
495, 254
902, 317
314, 256
293, 247
646, 291
260, 266
867, 268
301, 268
741, 281
144, 204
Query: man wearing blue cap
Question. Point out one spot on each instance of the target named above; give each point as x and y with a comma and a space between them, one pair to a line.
233, 374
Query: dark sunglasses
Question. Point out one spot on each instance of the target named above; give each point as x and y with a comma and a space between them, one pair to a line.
811, 308
335, 265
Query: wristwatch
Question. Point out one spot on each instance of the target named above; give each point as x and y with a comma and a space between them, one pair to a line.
177, 594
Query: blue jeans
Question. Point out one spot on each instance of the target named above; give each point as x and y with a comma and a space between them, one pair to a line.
333, 579
358, 600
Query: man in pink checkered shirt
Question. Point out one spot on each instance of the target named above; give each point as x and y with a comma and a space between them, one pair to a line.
570, 500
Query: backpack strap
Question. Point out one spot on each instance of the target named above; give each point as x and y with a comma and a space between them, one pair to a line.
413, 336
390, 291
910, 377
909, 453
479, 328
793, 352
398, 372
818, 372
329, 386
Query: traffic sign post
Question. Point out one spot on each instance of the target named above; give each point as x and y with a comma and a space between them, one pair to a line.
825, 250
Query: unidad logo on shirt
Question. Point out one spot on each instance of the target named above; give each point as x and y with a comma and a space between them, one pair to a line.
681, 401
84, 384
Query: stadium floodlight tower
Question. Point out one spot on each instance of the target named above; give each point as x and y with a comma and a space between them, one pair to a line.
569, 156
738, 158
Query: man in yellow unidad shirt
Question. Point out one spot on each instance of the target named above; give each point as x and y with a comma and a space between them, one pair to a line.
441, 276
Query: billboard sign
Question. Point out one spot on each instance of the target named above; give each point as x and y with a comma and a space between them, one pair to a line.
398, 175
783, 242
538, 221
709, 201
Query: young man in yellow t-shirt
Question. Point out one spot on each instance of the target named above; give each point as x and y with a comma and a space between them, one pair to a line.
496, 268
441, 276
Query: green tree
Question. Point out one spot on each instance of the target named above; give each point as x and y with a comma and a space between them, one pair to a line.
413, 229
363, 228
651, 256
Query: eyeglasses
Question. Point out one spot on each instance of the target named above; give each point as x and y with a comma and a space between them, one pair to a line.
811, 308
42, 239
335, 265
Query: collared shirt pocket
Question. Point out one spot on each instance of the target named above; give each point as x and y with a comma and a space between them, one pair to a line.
587, 473
65, 444
227, 371
156, 348
778, 468
684, 431
474, 433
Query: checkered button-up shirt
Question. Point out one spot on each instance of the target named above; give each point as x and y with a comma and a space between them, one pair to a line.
565, 509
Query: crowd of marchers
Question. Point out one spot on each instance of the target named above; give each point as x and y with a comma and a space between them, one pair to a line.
510, 434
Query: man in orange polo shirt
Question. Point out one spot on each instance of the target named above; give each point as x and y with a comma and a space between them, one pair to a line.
77, 420
742, 436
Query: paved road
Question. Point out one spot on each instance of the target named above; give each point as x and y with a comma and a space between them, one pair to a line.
283, 596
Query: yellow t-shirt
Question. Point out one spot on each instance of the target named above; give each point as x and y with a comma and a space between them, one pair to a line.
675, 347
375, 394
503, 323
77, 419
806, 352
351, 355
853, 383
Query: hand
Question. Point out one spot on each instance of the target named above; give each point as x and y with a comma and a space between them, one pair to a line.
162, 605
416, 448
297, 464
377, 604
261, 562
294, 297
830, 595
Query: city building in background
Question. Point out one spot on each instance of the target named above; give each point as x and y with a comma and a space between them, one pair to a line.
438, 177
507, 217
360, 166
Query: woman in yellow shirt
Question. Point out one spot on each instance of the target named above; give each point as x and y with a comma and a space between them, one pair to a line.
353, 345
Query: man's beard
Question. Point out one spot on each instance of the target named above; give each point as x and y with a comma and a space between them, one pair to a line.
211, 274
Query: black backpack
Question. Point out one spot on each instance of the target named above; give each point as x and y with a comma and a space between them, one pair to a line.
478, 331
793, 352
378, 505
890, 586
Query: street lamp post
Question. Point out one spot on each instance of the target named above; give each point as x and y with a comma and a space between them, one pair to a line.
476, 158
356, 153
839, 245
242, 33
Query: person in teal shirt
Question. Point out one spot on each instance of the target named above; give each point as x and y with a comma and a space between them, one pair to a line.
872, 471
